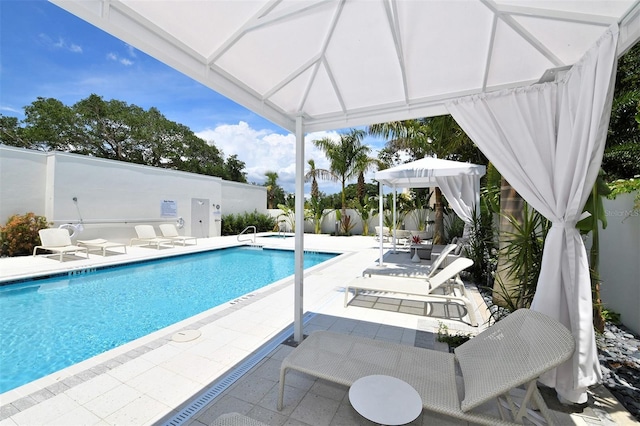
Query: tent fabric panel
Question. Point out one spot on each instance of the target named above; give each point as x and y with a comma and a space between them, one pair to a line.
385, 62
560, 128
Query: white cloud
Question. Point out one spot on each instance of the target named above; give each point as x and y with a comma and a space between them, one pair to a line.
131, 51
61, 43
115, 57
266, 150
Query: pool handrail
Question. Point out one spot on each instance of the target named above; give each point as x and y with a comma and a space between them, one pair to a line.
255, 231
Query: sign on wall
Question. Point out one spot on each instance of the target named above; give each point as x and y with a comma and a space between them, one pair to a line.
168, 208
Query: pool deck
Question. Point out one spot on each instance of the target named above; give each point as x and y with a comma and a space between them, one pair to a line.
150, 380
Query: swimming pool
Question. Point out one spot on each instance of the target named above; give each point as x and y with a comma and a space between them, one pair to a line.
49, 324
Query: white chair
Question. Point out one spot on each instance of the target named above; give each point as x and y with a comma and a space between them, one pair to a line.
385, 234
400, 288
58, 241
169, 231
147, 235
513, 352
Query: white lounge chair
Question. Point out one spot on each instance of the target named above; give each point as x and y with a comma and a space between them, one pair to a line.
58, 241
402, 287
409, 269
385, 234
102, 245
169, 231
147, 236
512, 353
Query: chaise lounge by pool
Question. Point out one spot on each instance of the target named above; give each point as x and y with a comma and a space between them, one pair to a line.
55, 322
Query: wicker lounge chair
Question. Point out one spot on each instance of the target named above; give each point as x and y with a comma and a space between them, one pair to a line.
448, 279
58, 241
101, 245
147, 235
409, 269
514, 352
236, 419
169, 231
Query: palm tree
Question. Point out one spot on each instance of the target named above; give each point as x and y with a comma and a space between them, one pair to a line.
272, 186
313, 175
347, 157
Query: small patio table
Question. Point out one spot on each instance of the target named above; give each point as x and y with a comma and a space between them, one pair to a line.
385, 400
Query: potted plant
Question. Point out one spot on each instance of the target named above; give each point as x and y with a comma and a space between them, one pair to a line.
415, 242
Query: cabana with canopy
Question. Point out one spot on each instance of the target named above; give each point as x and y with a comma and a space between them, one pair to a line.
458, 181
499, 67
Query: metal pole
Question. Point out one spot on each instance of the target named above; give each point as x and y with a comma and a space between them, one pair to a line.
299, 234
380, 220
395, 220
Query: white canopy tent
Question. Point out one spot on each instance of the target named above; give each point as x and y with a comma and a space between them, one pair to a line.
458, 181
330, 64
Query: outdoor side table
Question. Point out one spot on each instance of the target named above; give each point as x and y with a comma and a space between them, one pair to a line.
385, 400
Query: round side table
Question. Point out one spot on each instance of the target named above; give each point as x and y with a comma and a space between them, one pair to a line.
385, 400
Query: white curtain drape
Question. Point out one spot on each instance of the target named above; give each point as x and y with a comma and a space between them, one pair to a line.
547, 140
460, 191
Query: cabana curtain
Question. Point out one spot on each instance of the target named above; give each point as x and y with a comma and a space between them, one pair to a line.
547, 140
461, 193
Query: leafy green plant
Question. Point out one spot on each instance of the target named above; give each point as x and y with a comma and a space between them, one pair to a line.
19, 235
316, 213
366, 211
611, 316
454, 227
346, 224
523, 250
453, 340
625, 186
234, 224
288, 215
481, 246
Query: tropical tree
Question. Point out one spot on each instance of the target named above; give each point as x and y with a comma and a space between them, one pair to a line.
118, 131
234, 169
347, 157
621, 153
275, 193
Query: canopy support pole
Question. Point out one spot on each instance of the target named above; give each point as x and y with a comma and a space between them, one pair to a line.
380, 221
299, 234
395, 219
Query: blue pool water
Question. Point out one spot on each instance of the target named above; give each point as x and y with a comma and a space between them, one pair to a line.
49, 324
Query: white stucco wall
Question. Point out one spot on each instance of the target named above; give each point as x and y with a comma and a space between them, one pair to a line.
620, 260
112, 197
240, 198
22, 182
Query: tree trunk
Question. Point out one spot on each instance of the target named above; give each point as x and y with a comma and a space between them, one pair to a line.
438, 226
511, 204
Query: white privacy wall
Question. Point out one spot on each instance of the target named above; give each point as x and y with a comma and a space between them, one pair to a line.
111, 196
620, 260
240, 197
22, 182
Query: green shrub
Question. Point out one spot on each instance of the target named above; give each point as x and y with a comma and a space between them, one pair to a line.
233, 224
20, 235
453, 340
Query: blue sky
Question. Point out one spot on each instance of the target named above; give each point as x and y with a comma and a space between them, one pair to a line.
47, 52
